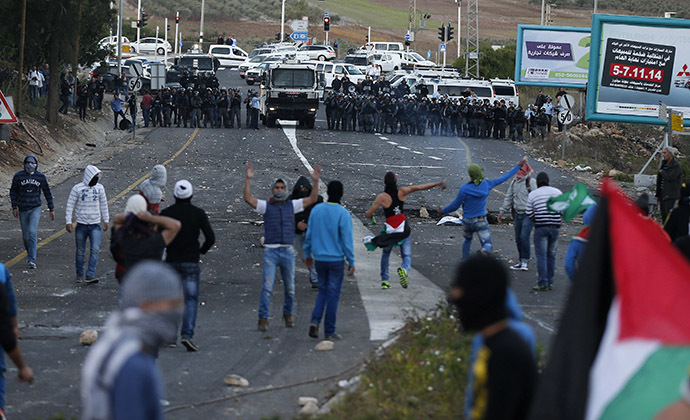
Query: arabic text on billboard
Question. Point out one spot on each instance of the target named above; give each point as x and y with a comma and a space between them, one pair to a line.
554, 56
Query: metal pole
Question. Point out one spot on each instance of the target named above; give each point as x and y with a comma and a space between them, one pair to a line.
177, 25
565, 131
138, 20
157, 29
415, 25
369, 34
282, 24
20, 73
596, 5
542, 12
201, 25
669, 128
119, 38
444, 57
326, 38
165, 48
459, 24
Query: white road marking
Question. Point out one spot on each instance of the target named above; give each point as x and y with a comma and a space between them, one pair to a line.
289, 128
397, 166
444, 148
392, 143
417, 153
403, 147
434, 158
540, 323
383, 138
386, 309
339, 144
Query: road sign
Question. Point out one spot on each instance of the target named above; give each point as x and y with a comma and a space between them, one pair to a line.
677, 121
407, 37
6, 114
325, 14
565, 117
442, 48
663, 111
567, 101
134, 84
299, 36
136, 69
300, 25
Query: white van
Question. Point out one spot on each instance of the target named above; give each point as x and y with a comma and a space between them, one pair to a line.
505, 89
330, 70
228, 55
382, 47
460, 88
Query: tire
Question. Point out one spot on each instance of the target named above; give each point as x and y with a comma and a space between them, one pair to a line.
250, 82
395, 68
160, 51
322, 58
270, 121
310, 123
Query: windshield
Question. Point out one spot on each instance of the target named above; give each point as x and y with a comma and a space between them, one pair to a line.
201, 63
258, 59
417, 56
259, 51
297, 78
352, 69
357, 61
484, 92
504, 90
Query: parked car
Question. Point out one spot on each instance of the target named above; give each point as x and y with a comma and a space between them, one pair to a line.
318, 52
151, 45
253, 75
330, 70
388, 62
110, 43
227, 55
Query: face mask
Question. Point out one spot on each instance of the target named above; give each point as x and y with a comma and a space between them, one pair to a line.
93, 181
30, 167
280, 195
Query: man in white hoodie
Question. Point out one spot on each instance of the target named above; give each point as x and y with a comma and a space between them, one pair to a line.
88, 200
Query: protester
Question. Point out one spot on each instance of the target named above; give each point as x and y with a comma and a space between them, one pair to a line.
184, 251
36, 80
25, 195
515, 203
576, 249
679, 219
547, 226
668, 182
279, 228
151, 188
328, 243
89, 200
396, 231
505, 370
119, 379
255, 104
303, 189
472, 198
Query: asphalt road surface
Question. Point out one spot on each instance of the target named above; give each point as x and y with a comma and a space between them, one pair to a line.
53, 310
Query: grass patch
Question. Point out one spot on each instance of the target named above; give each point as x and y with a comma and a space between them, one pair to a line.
422, 375
372, 14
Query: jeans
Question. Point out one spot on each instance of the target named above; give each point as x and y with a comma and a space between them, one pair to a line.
28, 219
93, 232
405, 254
115, 115
34, 92
145, 112
481, 227
190, 272
299, 244
283, 257
523, 229
545, 246
331, 275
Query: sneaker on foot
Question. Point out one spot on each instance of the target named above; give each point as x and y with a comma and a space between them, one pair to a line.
523, 267
32, 265
516, 266
79, 279
315, 285
334, 337
263, 324
91, 280
541, 288
289, 321
385, 285
189, 344
313, 331
402, 273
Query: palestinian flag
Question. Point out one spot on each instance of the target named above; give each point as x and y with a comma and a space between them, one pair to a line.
571, 203
623, 344
395, 230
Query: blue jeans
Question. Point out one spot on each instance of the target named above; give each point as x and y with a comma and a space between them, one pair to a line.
28, 219
146, 113
405, 254
283, 257
545, 247
93, 232
481, 227
331, 275
299, 245
190, 272
523, 230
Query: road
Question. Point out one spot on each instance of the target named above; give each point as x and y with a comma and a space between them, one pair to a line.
54, 310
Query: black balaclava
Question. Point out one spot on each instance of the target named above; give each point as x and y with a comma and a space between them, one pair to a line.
483, 281
391, 184
335, 191
93, 181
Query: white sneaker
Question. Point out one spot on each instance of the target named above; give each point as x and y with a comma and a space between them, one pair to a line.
516, 266
523, 267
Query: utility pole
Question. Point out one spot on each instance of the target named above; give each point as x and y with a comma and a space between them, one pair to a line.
472, 40
165, 48
119, 38
596, 5
459, 2
201, 27
177, 27
543, 4
138, 26
20, 72
282, 24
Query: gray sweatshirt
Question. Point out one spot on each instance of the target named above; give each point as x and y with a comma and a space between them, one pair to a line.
516, 196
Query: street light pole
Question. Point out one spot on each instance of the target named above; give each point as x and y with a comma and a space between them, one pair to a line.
177, 26
119, 39
543, 5
282, 23
596, 5
201, 27
138, 26
459, 2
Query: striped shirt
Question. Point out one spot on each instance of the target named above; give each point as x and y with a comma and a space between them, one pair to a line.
536, 207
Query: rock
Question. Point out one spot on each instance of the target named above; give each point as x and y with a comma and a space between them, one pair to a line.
88, 337
306, 400
236, 380
423, 212
574, 137
561, 163
309, 409
593, 133
325, 345
613, 173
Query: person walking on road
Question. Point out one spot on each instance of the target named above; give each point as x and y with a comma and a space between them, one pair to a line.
255, 105
515, 203
547, 225
279, 228
472, 198
89, 200
678, 223
184, 251
152, 188
668, 182
303, 189
25, 195
119, 378
327, 245
392, 200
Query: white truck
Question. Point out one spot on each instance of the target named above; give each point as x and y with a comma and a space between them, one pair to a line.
290, 91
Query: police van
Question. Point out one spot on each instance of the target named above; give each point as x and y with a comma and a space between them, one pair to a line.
505, 89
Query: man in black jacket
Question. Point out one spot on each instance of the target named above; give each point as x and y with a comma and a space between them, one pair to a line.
668, 182
302, 189
184, 251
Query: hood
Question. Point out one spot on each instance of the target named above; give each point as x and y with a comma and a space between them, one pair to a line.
512, 306
90, 172
588, 216
33, 157
159, 176
303, 181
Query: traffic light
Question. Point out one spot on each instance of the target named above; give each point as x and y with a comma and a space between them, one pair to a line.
326, 24
442, 33
138, 23
278, 36
177, 19
407, 43
144, 19
168, 26
366, 38
449, 33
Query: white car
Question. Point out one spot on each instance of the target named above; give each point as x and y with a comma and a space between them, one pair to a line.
388, 62
227, 55
330, 70
152, 45
256, 61
411, 58
110, 43
318, 52
253, 75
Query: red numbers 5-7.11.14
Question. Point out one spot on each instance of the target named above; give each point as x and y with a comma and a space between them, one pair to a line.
635, 72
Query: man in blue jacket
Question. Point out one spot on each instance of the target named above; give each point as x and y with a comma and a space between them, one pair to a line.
329, 242
25, 195
472, 198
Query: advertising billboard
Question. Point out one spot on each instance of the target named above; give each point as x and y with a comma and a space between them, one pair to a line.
636, 63
552, 56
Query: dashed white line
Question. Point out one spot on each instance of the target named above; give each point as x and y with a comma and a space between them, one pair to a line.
338, 144
396, 166
403, 147
434, 158
416, 152
392, 143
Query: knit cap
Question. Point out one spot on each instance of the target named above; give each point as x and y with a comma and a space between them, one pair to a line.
150, 281
183, 189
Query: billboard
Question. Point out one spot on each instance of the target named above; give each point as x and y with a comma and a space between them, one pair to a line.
552, 56
636, 63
